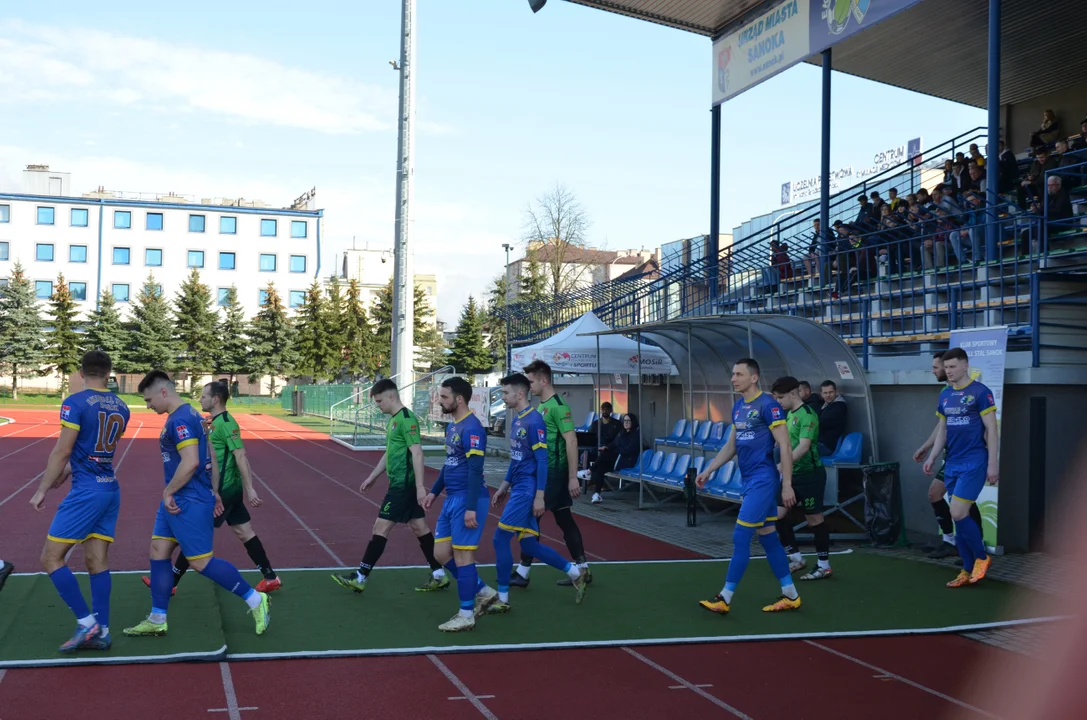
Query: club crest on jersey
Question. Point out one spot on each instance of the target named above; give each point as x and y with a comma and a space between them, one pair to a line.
473, 441
521, 433
753, 414
541, 434
966, 400
991, 401
183, 432
775, 413
65, 412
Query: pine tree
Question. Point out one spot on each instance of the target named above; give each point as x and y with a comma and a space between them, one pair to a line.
312, 349
335, 329
22, 347
469, 355
270, 340
63, 344
195, 330
233, 357
496, 323
151, 344
106, 332
381, 314
358, 336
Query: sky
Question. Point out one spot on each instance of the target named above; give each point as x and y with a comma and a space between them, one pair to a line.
266, 100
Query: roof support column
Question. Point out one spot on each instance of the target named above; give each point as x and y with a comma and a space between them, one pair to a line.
713, 261
824, 178
992, 160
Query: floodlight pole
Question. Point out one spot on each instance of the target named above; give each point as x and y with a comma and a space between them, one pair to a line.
403, 295
713, 249
825, 238
992, 161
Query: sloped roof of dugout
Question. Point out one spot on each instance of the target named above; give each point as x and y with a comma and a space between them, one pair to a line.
704, 350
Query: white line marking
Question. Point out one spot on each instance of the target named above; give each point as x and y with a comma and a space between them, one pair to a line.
299, 520
241, 709
119, 660
25, 447
461, 697
474, 699
684, 687
697, 689
23, 430
231, 695
906, 681
24, 487
2, 674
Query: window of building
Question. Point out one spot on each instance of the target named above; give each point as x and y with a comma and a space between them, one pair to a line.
122, 219
5, 213
154, 221
298, 263
43, 289
267, 262
298, 228
262, 297
298, 298
268, 228
228, 225
43, 252
78, 290
77, 253
196, 223
45, 215
223, 295
80, 217
158, 290
226, 261
3, 251
196, 258
152, 257
120, 292
121, 256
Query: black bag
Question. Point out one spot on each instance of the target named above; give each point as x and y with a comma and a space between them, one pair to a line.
882, 504
690, 493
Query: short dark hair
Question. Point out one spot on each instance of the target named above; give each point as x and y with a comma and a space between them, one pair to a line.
153, 377
219, 390
517, 380
829, 383
893, 190
956, 354
383, 386
459, 386
96, 364
538, 367
784, 385
606, 406
804, 384
751, 365
938, 355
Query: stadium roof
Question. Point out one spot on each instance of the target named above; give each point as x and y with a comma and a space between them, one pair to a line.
937, 47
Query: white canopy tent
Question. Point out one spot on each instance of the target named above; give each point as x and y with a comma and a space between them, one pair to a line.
579, 349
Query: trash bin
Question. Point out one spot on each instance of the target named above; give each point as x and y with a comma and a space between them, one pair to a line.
690, 494
298, 403
883, 505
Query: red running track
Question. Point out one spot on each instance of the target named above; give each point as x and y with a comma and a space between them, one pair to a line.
313, 516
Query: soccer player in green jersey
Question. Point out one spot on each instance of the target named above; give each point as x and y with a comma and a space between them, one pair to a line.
562, 481
403, 461
809, 478
232, 480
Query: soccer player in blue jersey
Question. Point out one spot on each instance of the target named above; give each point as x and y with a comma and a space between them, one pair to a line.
91, 422
967, 426
460, 525
525, 483
758, 424
186, 515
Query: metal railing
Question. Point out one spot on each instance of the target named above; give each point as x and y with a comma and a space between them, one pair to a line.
355, 421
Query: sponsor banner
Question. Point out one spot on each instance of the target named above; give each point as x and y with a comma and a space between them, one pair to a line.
770, 43
562, 361
832, 21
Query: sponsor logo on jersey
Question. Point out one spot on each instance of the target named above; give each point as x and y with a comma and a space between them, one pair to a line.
541, 434
473, 441
775, 413
65, 412
183, 432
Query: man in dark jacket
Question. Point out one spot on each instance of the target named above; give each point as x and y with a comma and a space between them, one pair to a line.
832, 418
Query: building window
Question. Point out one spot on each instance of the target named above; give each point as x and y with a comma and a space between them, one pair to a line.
267, 228
228, 225
3, 251
121, 256
298, 298
158, 290
77, 253
80, 217
43, 289
223, 294
45, 215
298, 228
152, 257
122, 219
298, 263
78, 290
120, 292
196, 223
226, 261
262, 297
267, 263
5, 213
154, 221
196, 258
43, 252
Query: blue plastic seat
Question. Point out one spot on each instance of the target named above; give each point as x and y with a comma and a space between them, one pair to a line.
679, 472
677, 433
643, 462
703, 434
666, 467
588, 423
848, 451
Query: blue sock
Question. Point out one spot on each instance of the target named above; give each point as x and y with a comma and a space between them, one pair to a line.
775, 555
968, 538
68, 589
467, 584
162, 584
531, 546
223, 573
101, 585
451, 568
503, 558
741, 555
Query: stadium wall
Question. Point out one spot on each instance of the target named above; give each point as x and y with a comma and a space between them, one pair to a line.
1021, 119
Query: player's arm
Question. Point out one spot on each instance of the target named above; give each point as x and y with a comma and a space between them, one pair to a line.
374, 474
923, 451
726, 453
55, 467
937, 444
539, 452
781, 436
992, 443
417, 464
214, 470
475, 480
242, 461
436, 490
503, 487
190, 463
570, 438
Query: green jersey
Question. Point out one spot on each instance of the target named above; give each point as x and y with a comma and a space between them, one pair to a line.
804, 423
557, 420
226, 437
401, 433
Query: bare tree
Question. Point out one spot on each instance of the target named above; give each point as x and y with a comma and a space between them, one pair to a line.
555, 231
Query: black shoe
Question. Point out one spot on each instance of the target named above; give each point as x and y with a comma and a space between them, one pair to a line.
567, 582
8, 569
517, 581
945, 550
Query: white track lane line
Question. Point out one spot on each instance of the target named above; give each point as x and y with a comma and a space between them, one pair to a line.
459, 684
689, 685
29, 445
300, 521
231, 696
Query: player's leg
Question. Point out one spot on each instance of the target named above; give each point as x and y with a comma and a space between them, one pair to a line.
975, 559
163, 544
576, 575
936, 491
74, 521
356, 580
96, 558
749, 519
439, 579
474, 595
254, 548
503, 567
557, 499
6, 569
775, 553
788, 538
810, 497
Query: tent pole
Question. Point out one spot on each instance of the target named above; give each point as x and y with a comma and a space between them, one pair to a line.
641, 441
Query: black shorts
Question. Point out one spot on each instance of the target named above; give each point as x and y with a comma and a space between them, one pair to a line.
809, 489
557, 492
401, 505
235, 511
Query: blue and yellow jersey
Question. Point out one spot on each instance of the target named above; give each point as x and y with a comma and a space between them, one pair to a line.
528, 444
184, 428
963, 409
100, 418
752, 422
464, 438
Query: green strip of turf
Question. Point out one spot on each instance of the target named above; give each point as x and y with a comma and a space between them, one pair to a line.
626, 603
34, 622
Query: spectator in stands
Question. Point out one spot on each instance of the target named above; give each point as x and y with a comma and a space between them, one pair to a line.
832, 418
942, 198
812, 401
819, 246
977, 178
933, 253
1047, 132
1080, 142
960, 179
923, 197
877, 204
866, 217
1008, 169
1064, 157
947, 233
1030, 187
960, 158
892, 199
975, 156
605, 427
620, 453
780, 261
973, 230
1057, 207
949, 172
894, 249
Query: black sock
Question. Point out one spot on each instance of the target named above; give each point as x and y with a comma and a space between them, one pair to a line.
372, 555
788, 537
571, 534
976, 514
427, 543
179, 568
526, 560
256, 552
943, 515
822, 540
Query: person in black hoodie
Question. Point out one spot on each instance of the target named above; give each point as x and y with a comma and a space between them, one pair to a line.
832, 418
621, 452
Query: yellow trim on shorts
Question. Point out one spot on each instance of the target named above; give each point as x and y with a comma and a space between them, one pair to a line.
986, 411
465, 547
66, 541
521, 530
444, 539
968, 502
199, 557
470, 453
187, 443
69, 425
160, 537
751, 525
96, 536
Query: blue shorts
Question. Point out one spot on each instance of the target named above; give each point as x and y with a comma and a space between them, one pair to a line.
517, 516
451, 522
965, 480
193, 528
760, 504
86, 514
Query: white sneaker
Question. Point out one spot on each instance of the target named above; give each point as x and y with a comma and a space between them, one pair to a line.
583, 474
484, 599
597, 499
458, 623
